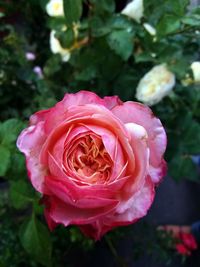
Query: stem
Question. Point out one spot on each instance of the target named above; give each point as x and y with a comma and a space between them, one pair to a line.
184, 30
118, 259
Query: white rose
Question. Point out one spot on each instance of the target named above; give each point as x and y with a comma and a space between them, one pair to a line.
55, 8
57, 48
134, 10
195, 66
150, 29
155, 85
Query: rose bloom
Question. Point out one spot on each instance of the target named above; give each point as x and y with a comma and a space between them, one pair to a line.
134, 10
155, 85
188, 240
182, 250
95, 161
54, 8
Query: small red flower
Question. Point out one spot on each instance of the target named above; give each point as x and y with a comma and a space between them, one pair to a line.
188, 240
182, 249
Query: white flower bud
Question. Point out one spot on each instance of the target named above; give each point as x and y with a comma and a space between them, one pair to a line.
134, 10
55, 8
56, 47
195, 66
156, 84
150, 29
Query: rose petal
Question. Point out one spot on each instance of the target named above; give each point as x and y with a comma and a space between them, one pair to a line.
61, 212
127, 213
142, 115
30, 143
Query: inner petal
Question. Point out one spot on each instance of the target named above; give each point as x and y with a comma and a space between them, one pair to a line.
89, 159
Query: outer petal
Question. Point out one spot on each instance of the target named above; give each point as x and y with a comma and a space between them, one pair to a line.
157, 141
57, 188
39, 116
112, 101
59, 113
30, 143
141, 151
66, 214
135, 208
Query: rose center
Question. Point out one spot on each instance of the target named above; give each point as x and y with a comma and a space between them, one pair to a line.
90, 159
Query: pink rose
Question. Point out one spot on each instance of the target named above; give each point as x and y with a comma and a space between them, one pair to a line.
95, 161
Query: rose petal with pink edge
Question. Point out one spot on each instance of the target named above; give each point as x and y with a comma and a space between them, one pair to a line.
59, 113
58, 189
142, 115
134, 208
30, 143
65, 214
112, 101
141, 152
39, 116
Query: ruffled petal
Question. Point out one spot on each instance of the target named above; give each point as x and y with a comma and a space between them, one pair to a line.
30, 143
62, 213
157, 141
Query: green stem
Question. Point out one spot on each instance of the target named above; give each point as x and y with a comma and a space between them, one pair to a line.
184, 30
118, 259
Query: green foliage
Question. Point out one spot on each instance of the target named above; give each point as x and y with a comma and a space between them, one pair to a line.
121, 42
20, 194
9, 131
4, 159
36, 240
72, 10
168, 24
105, 6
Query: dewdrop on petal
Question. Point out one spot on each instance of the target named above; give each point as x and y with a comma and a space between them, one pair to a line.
134, 10
55, 8
156, 84
56, 47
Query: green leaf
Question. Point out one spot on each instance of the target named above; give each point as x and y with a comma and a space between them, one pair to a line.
99, 26
192, 20
20, 194
52, 65
72, 10
103, 6
2, 15
191, 136
179, 6
168, 24
35, 239
4, 160
66, 37
9, 131
121, 42
182, 167
86, 74
144, 57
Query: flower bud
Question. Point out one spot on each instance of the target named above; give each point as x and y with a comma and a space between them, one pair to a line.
195, 66
134, 10
155, 85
